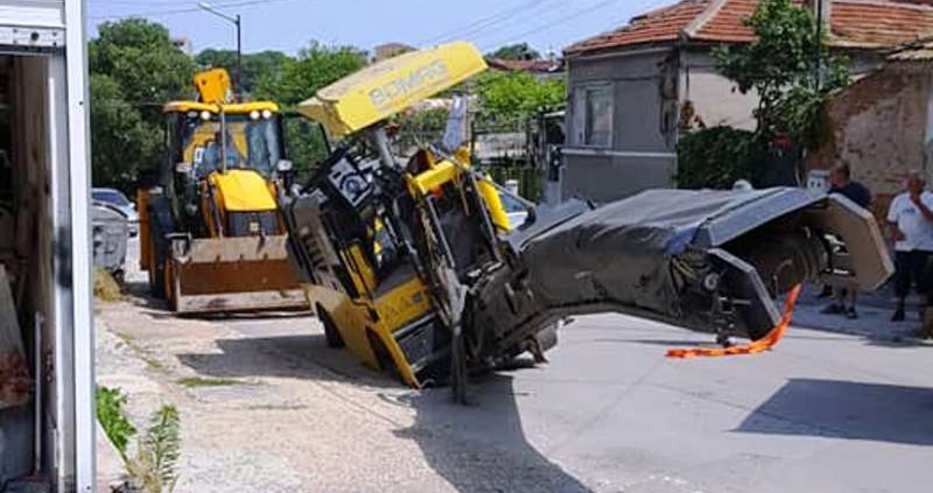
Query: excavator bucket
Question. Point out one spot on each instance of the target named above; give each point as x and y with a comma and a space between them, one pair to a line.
232, 274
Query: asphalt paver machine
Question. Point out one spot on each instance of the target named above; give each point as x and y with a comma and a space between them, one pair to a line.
412, 264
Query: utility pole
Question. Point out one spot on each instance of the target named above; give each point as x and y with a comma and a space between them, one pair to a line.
239, 38
818, 80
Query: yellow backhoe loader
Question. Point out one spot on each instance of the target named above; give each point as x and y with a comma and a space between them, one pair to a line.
413, 265
211, 234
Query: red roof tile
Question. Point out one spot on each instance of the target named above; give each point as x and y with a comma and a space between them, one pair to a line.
536, 66
660, 25
855, 23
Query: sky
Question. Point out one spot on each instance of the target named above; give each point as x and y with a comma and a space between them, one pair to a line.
288, 25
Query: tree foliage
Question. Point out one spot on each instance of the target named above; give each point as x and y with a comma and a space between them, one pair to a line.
316, 66
719, 156
511, 96
256, 66
519, 51
134, 68
789, 67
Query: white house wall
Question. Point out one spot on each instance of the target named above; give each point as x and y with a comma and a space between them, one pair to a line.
641, 154
716, 99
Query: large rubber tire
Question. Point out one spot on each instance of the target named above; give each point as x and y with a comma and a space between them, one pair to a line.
334, 339
158, 246
169, 283
157, 258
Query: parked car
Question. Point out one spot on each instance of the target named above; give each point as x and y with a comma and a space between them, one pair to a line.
117, 199
517, 211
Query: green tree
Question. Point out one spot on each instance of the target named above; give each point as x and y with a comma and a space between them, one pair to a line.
520, 51
783, 69
512, 96
316, 66
719, 156
134, 68
255, 65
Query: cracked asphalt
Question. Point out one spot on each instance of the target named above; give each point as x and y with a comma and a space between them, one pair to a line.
267, 407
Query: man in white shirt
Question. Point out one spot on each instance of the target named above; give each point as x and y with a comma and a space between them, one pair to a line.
911, 221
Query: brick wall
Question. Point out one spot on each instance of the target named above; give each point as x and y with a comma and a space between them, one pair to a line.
879, 128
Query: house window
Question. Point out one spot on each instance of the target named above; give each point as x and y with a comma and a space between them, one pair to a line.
593, 115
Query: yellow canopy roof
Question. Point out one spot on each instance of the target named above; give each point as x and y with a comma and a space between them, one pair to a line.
234, 108
390, 86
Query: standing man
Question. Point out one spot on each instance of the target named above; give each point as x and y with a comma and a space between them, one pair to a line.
911, 221
840, 179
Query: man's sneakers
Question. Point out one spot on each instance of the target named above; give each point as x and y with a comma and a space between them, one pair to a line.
837, 309
833, 309
898, 314
826, 292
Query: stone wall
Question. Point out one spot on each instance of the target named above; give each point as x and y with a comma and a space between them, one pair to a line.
879, 127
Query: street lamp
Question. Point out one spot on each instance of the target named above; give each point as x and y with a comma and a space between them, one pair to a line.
239, 40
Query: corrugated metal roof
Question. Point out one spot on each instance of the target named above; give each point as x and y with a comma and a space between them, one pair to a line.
854, 23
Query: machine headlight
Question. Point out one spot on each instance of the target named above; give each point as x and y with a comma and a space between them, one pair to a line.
266, 114
254, 115
205, 115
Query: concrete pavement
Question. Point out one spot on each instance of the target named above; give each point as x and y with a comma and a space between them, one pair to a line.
825, 411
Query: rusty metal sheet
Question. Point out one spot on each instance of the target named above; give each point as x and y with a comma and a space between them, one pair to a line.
235, 277
233, 249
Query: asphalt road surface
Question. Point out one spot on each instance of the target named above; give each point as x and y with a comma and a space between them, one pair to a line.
824, 412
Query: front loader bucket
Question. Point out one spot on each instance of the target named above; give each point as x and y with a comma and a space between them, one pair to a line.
232, 275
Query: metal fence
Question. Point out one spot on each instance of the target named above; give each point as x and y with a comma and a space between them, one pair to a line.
500, 150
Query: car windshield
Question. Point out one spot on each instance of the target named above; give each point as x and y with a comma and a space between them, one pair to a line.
511, 204
245, 143
111, 197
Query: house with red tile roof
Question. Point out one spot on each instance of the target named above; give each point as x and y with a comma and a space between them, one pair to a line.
632, 89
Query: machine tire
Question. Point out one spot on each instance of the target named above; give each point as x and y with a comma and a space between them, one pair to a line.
383, 357
168, 281
334, 339
158, 246
156, 267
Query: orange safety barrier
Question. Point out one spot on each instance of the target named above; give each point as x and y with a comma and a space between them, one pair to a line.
764, 344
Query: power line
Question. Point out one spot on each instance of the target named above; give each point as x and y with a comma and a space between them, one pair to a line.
497, 23
479, 23
159, 13
599, 5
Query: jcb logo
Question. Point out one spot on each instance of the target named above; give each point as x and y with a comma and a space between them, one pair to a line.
424, 76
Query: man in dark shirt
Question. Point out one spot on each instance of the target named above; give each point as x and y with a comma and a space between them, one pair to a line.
841, 182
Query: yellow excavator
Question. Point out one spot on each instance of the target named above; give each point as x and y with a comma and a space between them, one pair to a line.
212, 238
412, 264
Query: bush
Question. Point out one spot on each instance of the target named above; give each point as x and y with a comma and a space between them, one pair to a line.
113, 419
717, 157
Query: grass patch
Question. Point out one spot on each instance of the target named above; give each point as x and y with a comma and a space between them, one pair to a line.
106, 287
196, 382
151, 362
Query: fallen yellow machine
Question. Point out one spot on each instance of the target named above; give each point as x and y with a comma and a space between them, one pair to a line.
211, 234
414, 267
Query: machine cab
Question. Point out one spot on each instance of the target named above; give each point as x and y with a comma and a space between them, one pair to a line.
204, 138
